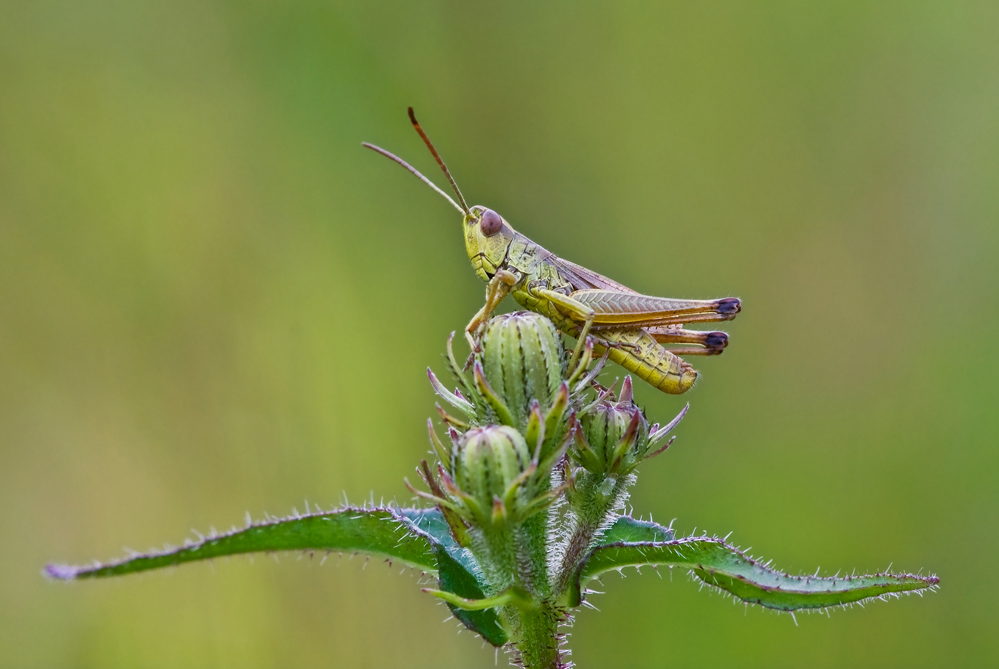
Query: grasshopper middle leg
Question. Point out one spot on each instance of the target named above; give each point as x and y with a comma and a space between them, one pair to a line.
577, 312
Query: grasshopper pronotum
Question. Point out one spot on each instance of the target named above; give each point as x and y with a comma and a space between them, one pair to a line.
581, 303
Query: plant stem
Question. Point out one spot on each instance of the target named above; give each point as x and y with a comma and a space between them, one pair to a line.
589, 513
538, 646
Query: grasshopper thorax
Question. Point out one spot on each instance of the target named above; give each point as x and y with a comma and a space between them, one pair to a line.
487, 240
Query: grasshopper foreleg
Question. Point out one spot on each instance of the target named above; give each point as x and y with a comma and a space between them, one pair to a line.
498, 287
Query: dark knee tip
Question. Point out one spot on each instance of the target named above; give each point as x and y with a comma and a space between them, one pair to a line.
729, 306
718, 340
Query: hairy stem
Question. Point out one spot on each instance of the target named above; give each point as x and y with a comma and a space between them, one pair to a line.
538, 641
591, 508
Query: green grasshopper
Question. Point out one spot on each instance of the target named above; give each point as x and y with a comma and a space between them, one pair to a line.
629, 326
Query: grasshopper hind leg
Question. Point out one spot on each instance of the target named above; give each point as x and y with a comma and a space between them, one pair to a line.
729, 306
633, 309
699, 342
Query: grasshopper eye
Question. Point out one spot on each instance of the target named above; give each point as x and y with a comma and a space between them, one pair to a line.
490, 223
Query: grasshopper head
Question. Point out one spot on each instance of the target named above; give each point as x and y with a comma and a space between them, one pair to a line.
487, 238
487, 235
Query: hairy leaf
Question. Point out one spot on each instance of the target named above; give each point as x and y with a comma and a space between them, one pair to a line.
725, 567
626, 528
455, 577
459, 573
418, 537
430, 522
381, 532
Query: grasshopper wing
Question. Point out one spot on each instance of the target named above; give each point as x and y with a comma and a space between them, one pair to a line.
582, 278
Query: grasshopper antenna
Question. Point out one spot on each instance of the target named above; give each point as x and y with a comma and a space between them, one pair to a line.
413, 170
437, 157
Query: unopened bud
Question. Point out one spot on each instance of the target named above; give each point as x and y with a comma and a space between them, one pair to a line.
615, 436
522, 359
488, 462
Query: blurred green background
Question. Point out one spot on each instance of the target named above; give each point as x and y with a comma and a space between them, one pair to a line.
213, 301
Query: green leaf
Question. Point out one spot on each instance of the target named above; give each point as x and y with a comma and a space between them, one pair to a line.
381, 532
458, 573
430, 522
454, 577
725, 567
420, 538
626, 528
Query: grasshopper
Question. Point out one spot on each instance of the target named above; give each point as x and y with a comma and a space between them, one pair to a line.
630, 328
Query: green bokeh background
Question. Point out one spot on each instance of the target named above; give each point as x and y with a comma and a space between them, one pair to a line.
213, 301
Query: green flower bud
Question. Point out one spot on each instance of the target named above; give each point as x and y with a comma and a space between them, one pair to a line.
614, 436
518, 379
522, 359
488, 465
